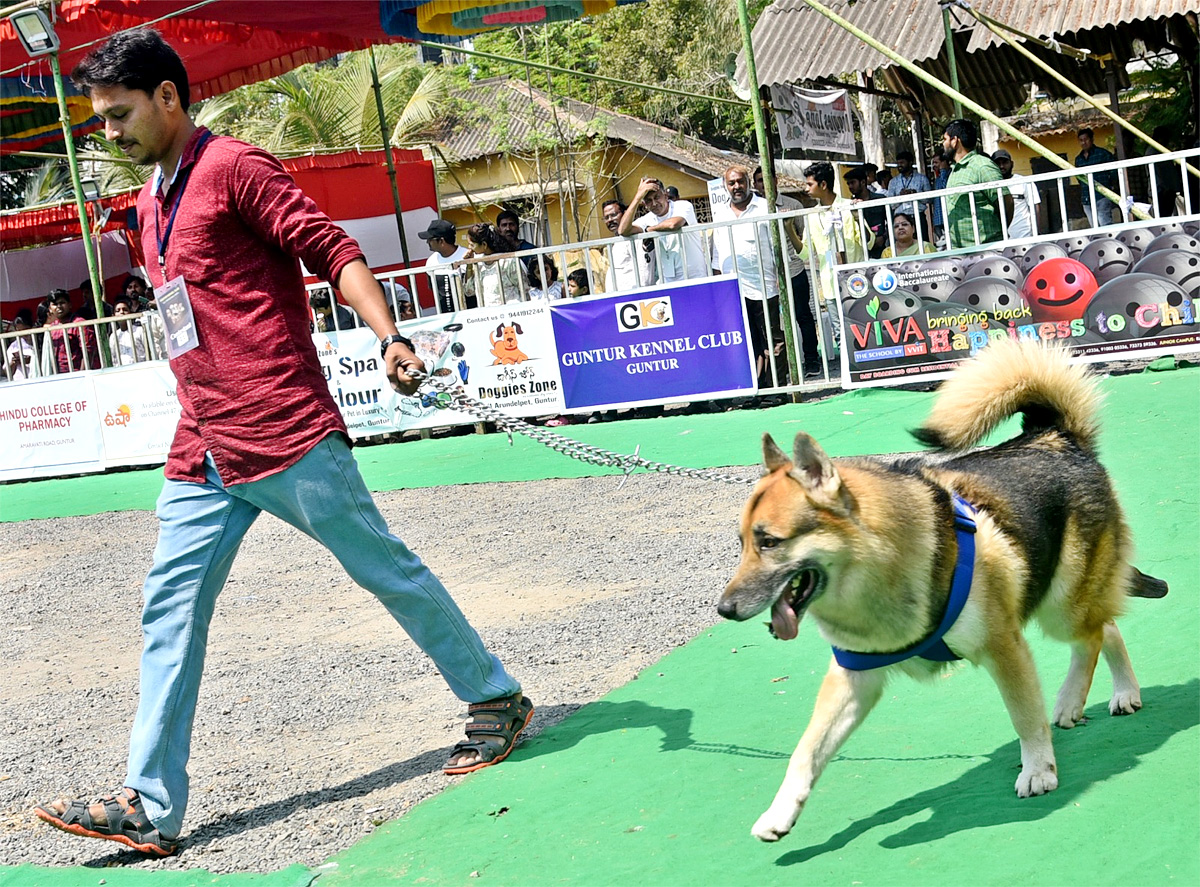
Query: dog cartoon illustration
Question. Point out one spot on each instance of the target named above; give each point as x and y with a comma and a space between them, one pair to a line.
504, 344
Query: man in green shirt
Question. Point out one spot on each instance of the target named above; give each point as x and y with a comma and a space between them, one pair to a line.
974, 217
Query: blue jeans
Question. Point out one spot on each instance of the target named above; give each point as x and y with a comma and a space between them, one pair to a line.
201, 527
1103, 214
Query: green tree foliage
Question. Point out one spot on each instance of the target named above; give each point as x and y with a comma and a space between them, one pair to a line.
332, 105
683, 44
1170, 103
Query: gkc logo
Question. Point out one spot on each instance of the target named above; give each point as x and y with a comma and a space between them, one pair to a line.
643, 314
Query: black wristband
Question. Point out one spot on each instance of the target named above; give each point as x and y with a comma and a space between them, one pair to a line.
387, 341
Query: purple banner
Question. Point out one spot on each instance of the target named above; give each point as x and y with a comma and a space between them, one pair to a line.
654, 345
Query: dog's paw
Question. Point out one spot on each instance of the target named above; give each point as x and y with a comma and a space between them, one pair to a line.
1125, 702
1036, 782
774, 824
1067, 716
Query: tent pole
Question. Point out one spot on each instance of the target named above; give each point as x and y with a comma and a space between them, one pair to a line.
89, 252
951, 58
387, 154
765, 160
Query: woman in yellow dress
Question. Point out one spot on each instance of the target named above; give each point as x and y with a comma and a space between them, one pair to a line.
904, 230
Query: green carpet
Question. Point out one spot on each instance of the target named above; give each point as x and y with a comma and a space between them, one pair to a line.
659, 782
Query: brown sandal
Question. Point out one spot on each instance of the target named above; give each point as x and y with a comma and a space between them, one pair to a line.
125, 821
492, 731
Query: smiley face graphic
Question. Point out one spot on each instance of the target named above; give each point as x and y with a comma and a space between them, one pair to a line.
1059, 289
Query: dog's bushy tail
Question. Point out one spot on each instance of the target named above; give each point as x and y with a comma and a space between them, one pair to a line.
1007, 377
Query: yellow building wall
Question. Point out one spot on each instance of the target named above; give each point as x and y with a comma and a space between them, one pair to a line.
1065, 144
610, 172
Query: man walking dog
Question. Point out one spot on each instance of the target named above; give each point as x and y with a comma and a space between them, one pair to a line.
225, 229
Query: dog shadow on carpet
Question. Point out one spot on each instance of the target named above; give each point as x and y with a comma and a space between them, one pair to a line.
983, 796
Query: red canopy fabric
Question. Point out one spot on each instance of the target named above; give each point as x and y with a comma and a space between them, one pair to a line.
224, 45
36, 227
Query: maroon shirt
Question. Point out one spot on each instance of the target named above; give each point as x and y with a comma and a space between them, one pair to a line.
253, 392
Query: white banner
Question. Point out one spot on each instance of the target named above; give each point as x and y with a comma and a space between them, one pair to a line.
815, 120
137, 411
504, 356
49, 426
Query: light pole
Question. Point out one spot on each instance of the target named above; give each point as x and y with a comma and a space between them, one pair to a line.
37, 36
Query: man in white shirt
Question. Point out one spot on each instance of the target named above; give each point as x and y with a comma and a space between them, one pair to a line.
444, 252
802, 295
832, 237
21, 354
744, 249
630, 265
1020, 200
678, 256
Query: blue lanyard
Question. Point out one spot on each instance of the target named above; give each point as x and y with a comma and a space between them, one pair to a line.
164, 236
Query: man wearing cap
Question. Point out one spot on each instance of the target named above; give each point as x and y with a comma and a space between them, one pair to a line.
444, 252
1021, 199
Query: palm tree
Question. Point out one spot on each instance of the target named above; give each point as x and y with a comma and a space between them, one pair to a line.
333, 107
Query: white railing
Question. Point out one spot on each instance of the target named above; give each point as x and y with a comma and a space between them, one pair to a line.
134, 338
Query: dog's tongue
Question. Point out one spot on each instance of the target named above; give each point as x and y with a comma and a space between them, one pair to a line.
784, 621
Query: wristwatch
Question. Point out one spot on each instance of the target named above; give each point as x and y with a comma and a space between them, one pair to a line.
387, 341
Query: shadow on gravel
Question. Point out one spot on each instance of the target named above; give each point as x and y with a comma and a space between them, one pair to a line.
597, 717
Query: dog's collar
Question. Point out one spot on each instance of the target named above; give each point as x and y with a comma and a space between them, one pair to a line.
933, 647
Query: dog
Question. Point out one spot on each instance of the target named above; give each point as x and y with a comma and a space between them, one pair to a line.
877, 550
504, 344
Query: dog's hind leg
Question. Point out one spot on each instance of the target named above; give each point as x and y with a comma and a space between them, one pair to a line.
1011, 666
844, 700
1127, 695
1072, 696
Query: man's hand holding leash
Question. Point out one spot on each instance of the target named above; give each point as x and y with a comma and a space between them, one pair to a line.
398, 358
364, 294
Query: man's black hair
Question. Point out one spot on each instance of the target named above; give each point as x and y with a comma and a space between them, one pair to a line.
964, 131
507, 214
618, 204
907, 155
855, 173
821, 172
137, 59
1086, 131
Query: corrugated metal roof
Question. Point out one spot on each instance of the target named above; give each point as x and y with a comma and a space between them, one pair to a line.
508, 115
794, 43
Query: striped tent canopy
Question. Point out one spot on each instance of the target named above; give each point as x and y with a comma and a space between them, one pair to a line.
455, 19
29, 114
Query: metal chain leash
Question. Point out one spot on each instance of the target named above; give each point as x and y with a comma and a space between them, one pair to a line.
565, 445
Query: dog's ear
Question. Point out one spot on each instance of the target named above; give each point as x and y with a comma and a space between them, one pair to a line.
773, 457
500, 331
517, 327
814, 471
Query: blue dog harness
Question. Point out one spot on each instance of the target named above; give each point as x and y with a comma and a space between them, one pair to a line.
933, 647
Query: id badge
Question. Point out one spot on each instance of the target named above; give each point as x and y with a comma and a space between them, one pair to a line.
176, 310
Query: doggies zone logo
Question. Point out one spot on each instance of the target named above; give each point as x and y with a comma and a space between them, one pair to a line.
644, 314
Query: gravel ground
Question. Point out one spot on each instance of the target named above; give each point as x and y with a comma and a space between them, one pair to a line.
319, 719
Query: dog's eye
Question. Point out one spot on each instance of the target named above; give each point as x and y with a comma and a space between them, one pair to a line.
766, 542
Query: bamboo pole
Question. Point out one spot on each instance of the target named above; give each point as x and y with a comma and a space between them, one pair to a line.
996, 28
